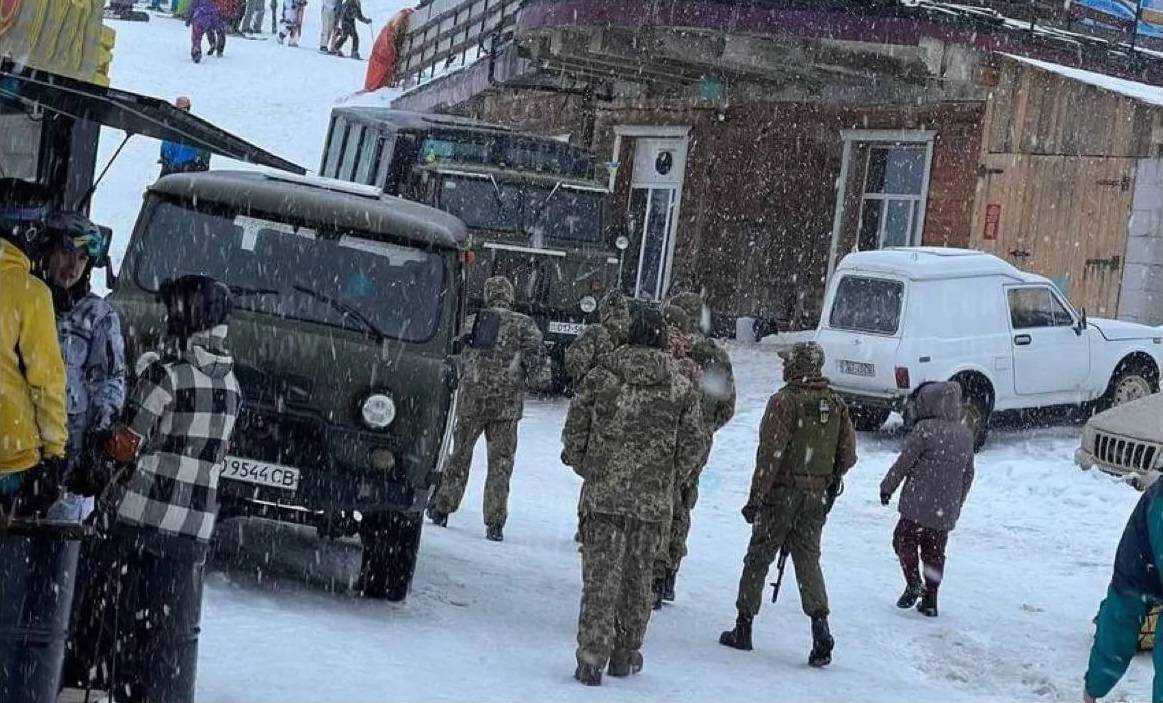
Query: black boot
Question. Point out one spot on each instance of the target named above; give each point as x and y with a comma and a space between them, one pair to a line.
588, 674
928, 605
909, 598
494, 533
740, 637
657, 594
438, 517
625, 663
822, 642
668, 586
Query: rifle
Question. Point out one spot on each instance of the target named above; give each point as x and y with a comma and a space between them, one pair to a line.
779, 565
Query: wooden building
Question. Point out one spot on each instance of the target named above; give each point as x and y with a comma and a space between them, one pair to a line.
752, 145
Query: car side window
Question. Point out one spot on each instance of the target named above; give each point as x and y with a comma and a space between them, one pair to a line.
1036, 306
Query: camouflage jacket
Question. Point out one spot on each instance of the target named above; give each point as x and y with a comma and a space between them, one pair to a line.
776, 432
503, 354
597, 340
633, 429
718, 381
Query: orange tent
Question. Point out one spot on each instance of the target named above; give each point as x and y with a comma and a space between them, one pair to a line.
381, 67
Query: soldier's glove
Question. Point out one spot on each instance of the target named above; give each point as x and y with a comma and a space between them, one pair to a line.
885, 498
749, 512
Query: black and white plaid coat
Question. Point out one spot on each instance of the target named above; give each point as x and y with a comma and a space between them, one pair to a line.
184, 410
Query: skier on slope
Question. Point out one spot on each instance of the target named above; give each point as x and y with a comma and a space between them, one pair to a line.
292, 21
349, 11
205, 18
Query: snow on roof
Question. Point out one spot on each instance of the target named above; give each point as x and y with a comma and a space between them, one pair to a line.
1143, 92
921, 263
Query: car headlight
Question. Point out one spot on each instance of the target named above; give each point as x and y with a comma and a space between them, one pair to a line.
588, 304
378, 411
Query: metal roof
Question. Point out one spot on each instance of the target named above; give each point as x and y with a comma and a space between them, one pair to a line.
304, 199
925, 263
405, 119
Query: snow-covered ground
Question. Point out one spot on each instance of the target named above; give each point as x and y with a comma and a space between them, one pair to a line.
1028, 563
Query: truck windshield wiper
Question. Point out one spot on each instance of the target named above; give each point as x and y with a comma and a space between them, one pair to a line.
346, 309
242, 291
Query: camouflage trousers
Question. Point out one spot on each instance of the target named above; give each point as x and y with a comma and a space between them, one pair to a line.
501, 439
617, 553
793, 517
672, 548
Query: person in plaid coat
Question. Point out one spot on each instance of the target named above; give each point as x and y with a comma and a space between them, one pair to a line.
175, 432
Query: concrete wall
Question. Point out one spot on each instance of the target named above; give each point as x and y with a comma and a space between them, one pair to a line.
1141, 299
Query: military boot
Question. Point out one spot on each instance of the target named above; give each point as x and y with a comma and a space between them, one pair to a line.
656, 590
668, 585
438, 517
623, 663
909, 598
588, 674
928, 604
740, 637
494, 533
822, 642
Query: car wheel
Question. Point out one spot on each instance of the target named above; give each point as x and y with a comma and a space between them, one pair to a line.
868, 419
975, 410
391, 546
1129, 384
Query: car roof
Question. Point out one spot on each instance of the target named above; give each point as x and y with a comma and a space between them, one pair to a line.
510, 175
928, 263
338, 203
404, 119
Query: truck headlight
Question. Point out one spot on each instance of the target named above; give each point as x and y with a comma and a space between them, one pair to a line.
587, 304
378, 411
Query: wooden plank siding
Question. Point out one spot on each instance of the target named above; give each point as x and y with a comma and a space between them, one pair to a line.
1058, 157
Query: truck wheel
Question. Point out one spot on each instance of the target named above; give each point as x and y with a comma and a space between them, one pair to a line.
391, 544
976, 407
1130, 381
868, 419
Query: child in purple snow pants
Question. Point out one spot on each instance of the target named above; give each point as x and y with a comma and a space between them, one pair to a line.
205, 19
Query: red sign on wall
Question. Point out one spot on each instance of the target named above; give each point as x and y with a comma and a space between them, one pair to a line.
992, 221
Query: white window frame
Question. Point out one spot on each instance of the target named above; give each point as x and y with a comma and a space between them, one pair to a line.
920, 137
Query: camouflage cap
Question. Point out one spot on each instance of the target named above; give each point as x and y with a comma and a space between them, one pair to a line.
677, 318
499, 292
691, 304
806, 357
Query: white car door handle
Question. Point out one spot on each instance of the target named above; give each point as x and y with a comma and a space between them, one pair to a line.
1023, 340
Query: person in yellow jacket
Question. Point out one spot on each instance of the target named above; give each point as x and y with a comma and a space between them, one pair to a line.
33, 422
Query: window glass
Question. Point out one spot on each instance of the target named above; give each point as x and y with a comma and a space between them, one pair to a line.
895, 169
867, 305
1037, 307
288, 270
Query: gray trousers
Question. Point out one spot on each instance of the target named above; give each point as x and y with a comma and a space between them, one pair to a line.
252, 19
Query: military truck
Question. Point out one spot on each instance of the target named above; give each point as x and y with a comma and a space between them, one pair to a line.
534, 210
347, 305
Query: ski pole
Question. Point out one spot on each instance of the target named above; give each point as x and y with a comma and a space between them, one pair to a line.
779, 565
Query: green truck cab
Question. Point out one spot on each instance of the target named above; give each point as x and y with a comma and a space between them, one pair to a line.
534, 209
347, 305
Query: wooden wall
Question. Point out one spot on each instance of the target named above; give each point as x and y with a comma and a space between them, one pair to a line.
1057, 175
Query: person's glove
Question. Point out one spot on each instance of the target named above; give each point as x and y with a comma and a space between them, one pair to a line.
885, 498
367, 20
749, 512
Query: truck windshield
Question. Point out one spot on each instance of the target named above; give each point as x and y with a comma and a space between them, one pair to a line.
561, 214
337, 278
867, 305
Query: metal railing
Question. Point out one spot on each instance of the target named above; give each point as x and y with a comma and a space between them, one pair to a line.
446, 35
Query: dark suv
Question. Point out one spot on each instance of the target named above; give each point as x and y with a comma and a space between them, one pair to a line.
347, 307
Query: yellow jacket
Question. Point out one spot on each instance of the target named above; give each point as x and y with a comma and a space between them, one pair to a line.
32, 372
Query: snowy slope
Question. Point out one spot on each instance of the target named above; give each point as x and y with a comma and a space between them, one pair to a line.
1028, 563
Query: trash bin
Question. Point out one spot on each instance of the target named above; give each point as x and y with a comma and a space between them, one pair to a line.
38, 567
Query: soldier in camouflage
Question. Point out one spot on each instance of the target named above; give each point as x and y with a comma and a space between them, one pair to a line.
806, 445
632, 432
504, 352
599, 339
716, 380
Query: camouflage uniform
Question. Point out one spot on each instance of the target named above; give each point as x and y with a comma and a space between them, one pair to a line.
505, 351
599, 339
806, 444
716, 379
632, 431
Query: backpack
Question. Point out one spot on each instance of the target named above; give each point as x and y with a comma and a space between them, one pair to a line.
485, 330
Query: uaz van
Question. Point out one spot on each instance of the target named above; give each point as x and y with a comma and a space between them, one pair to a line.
346, 310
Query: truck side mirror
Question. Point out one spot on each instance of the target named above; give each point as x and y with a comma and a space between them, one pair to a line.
1080, 326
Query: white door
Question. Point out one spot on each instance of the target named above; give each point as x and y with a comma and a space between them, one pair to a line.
655, 196
1050, 357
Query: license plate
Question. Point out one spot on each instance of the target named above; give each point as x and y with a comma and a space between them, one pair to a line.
239, 468
574, 328
857, 368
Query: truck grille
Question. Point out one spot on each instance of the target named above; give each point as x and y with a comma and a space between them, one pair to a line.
1124, 453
